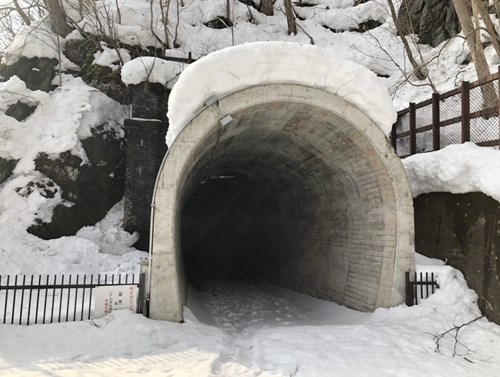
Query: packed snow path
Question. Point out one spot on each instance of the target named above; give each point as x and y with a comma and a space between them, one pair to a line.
261, 330
239, 305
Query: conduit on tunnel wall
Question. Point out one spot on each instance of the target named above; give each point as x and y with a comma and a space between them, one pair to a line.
344, 220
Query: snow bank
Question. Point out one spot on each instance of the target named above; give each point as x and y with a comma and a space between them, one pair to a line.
457, 169
150, 69
235, 68
270, 332
108, 57
35, 41
102, 248
60, 120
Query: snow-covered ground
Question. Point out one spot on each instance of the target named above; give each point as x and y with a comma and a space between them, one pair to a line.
232, 328
243, 328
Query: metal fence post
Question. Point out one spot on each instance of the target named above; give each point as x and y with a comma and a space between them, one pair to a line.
498, 101
410, 300
465, 111
413, 127
436, 130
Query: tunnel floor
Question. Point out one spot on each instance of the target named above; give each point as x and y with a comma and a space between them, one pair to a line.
238, 305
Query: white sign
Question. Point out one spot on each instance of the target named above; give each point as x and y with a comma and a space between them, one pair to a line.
115, 297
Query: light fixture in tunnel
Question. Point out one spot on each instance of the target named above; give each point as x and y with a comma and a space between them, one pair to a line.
214, 102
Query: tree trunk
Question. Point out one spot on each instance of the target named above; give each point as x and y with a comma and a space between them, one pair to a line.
479, 8
22, 13
266, 7
57, 17
472, 36
290, 17
417, 68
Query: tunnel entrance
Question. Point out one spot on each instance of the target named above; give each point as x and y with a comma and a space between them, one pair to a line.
227, 226
301, 189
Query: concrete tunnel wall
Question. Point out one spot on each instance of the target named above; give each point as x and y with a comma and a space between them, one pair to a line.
344, 222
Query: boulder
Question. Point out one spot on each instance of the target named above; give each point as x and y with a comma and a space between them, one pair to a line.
92, 187
6, 168
433, 20
37, 73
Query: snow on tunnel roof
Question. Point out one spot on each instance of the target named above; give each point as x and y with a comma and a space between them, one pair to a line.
235, 68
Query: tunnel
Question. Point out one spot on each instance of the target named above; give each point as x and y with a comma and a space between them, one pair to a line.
301, 189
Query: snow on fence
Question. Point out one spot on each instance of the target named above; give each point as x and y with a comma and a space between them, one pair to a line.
467, 113
32, 299
419, 286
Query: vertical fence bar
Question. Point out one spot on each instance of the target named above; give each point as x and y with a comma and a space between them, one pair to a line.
22, 300
14, 301
498, 103
61, 298
415, 288
29, 301
427, 285
409, 289
69, 298
53, 299
45, 301
465, 111
6, 300
83, 295
90, 295
38, 298
413, 127
436, 118
433, 282
76, 297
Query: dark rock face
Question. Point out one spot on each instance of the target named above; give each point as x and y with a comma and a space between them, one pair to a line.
37, 73
78, 50
464, 230
362, 27
93, 188
219, 23
106, 80
433, 20
44, 186
6, 168
20, 111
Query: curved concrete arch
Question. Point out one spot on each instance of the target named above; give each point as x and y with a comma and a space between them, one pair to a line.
341, 226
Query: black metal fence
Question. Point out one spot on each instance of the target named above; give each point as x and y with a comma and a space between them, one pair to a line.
467, 113
32, 299
419, 286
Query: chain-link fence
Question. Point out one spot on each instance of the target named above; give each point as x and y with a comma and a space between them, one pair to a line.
468, 113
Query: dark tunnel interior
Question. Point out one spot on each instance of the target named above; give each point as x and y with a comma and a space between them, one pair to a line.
228, 223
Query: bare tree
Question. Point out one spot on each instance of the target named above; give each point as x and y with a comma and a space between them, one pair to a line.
472, 35
480, 9
290, 17
418, 70
24, 16
57, 17
267, 7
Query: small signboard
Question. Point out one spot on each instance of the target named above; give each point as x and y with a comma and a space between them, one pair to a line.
115, 297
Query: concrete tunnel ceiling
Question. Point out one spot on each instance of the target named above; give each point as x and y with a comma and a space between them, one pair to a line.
309, 175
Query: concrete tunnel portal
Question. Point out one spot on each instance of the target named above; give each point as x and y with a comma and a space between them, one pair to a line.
280, 170
301, 189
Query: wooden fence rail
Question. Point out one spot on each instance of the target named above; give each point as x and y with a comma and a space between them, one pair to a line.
467, 113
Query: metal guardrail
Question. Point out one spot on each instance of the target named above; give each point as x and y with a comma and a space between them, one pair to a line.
419, 286
32, 299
